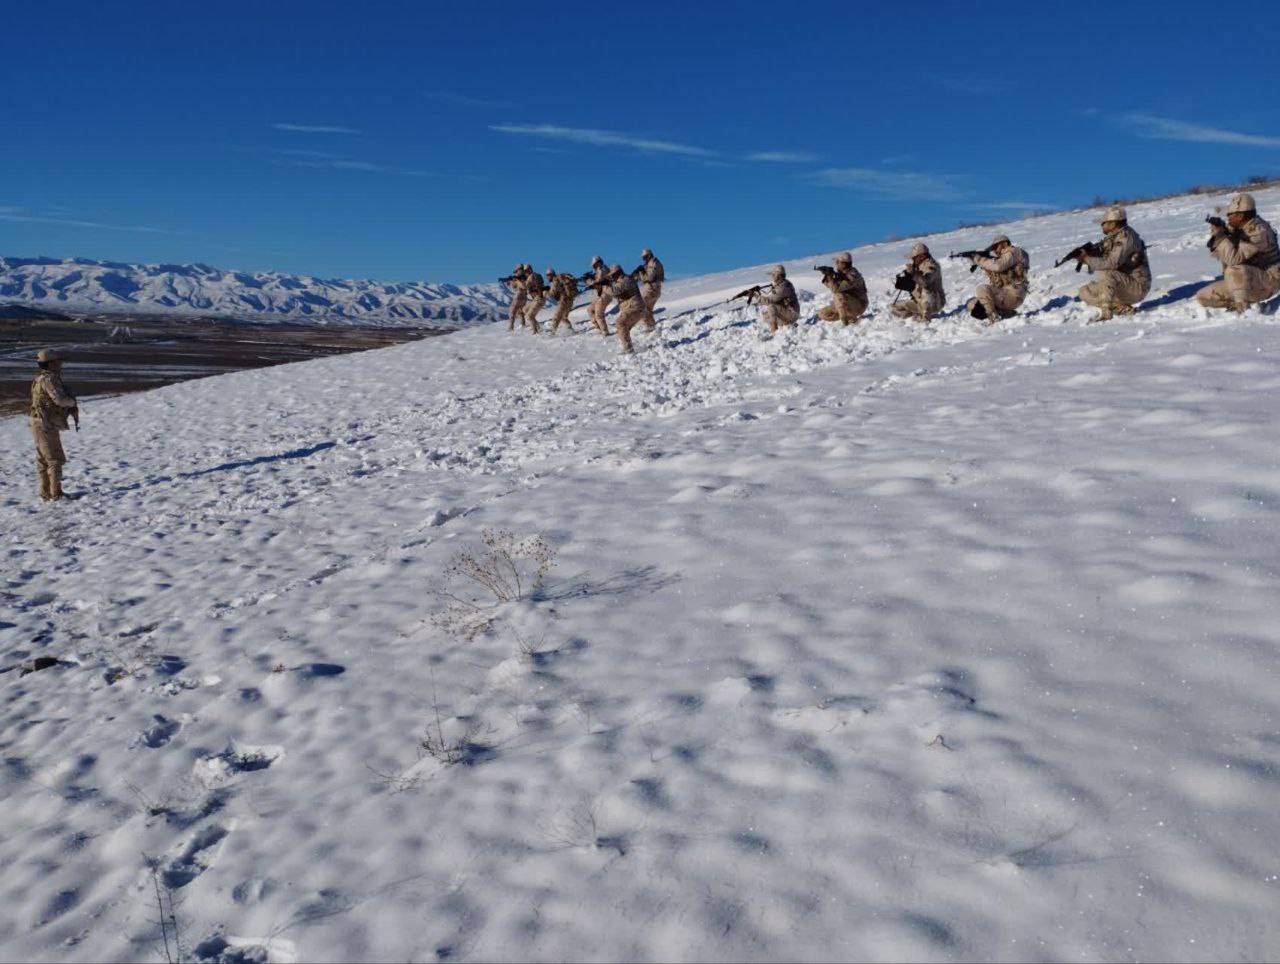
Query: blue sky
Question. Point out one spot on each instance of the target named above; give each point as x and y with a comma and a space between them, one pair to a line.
445, 142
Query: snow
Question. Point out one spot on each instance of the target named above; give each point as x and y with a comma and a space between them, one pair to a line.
882, 643
110, 287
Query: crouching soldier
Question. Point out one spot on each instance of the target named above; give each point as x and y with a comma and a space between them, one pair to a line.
1006, 266
51, 405
922, 277
779, 305
536, 296
848, 292
515, 281
651, 276
1246, 246
631, 309
1124, 275
564, 288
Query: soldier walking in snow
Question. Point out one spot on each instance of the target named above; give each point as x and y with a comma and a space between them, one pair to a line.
1120, 261
536, 295
650, 274
1006, 266
564, 288
779, 304
922, 277
51, 405
848, 291
515, 281
631, 308
1246, 246
598, 278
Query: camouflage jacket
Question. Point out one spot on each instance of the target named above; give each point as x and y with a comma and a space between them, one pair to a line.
1253, 243
1009, 269
653, 273
1122, 251
848, 282
782, 294
50, 401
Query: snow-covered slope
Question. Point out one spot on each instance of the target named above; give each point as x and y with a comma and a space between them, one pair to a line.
883, 643
111, 287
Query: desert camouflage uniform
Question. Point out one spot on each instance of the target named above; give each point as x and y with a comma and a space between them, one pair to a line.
927, 297
1006, 289
518, 299
536, 294
849, 294
564, 288
780, 305
651, 278
50, 404
1251, 267
1124, 275
631, 308
603, 297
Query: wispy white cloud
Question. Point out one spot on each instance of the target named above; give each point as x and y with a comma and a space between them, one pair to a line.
1014, 206
1165, 129
783, 157
314, 128
18, 215
464, 100
891, 185
598, 138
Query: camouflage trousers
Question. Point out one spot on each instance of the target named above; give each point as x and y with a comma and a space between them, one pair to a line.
598, 308
516, 310
49, 460
1241, 285
1115, 291
561, 317
630, 313
531, 309
650, 293
843, 308
998, 300
778, 316
920, 307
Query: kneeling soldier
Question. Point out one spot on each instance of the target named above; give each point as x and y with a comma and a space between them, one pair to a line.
1006, 266
848, 290
1246, 246
779, 305
1124, 275
923, 278
51, 404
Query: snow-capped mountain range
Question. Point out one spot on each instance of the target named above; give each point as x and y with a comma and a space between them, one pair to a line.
108, 287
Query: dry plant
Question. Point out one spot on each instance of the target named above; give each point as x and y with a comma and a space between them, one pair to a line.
166, 913
504, 568
450, 748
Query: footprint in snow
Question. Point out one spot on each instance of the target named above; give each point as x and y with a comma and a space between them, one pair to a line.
199, 854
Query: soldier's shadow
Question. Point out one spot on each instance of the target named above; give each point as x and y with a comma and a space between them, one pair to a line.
298, 453
1180, 293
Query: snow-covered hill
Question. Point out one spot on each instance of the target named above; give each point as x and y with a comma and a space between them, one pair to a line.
196, 289
879, 643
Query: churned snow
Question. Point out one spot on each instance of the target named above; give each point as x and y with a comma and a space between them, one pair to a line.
110, 287
886, 642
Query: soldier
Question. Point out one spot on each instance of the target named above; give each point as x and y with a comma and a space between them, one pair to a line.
564, 288
598, 278
923, 278
1246, 246
631, 308
1006, 266
536, 295
51, 404
779, 306
1124, 276
848, 290
651, 276
516, 310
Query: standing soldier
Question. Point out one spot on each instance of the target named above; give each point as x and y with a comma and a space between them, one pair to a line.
51, 404
1006, 266
1124, 276
564, 288
780, 305
598, 278
651, 276
923, 278
516, 310
848, 291
631, 308
536, 295
1246, 246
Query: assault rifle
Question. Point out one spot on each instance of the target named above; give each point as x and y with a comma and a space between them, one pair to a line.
1090, 249
509, 278
638, 270
1222, 230
750, 293
984, 253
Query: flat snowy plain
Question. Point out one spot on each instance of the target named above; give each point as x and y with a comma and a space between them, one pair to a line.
886, 643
